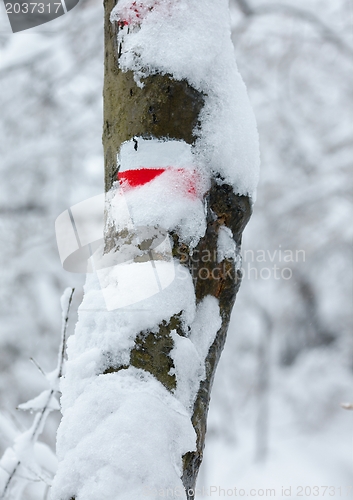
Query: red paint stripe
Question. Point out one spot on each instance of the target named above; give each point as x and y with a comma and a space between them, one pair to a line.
139, 177
188, 180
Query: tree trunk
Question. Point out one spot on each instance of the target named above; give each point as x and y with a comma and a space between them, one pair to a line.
168, 108
143, 374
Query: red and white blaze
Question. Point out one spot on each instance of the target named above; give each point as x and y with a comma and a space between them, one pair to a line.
143, 161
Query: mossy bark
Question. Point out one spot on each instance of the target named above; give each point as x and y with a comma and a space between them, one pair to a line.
167, 108
164, 107
225, 208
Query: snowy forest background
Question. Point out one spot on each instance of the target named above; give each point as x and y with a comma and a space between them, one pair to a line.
276, 417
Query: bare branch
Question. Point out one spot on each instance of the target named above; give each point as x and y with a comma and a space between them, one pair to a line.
8, 482
42, 416
299, 13
37, 365
63, 335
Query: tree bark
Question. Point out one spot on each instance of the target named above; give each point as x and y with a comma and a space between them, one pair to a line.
167, 108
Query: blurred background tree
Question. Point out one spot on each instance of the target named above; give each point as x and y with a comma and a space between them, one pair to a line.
288, 363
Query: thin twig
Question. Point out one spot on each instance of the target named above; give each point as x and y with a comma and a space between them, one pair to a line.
25, 477
63, 335
10, 479
43, 415
45, 410
37, 365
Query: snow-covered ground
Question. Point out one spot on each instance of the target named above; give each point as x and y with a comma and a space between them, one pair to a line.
315, 464
309, 445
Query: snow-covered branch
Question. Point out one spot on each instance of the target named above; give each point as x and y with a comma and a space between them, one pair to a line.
27, 459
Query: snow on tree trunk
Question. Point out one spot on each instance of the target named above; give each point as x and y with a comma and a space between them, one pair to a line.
181, 167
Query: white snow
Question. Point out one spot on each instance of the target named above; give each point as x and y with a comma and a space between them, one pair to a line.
189, 354
226, 247
123, 435
166, 202
155, 153
161, 202
207, 322
27, 460
100, 332
131, 414
127, 284
38, 403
